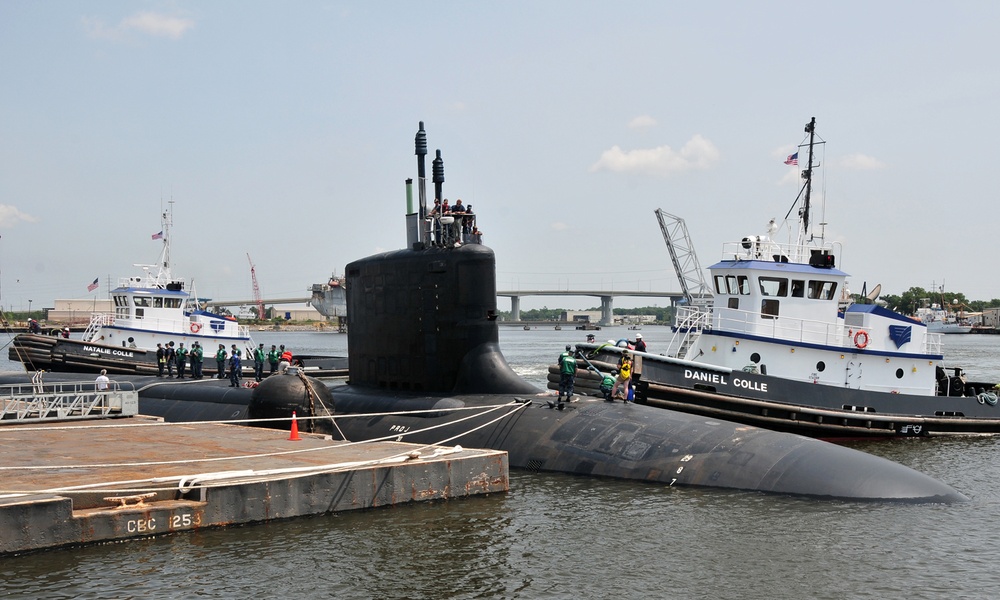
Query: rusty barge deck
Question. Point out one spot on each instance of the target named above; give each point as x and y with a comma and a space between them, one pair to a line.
77, 483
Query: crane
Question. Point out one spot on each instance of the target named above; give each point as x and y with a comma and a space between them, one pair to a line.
256, 290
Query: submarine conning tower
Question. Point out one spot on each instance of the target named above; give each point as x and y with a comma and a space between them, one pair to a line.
423, 319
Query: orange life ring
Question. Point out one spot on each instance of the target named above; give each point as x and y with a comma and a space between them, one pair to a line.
861, 339
195, 327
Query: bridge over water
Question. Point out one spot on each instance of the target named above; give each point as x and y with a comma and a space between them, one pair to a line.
607, 298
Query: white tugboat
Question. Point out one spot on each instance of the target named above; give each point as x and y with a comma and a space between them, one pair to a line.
781, 346
150, 309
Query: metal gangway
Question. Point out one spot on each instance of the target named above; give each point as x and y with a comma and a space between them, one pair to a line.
61, 401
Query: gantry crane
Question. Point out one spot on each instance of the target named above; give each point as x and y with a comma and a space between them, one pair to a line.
256, 290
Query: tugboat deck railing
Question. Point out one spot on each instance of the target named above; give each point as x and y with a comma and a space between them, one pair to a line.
691, 321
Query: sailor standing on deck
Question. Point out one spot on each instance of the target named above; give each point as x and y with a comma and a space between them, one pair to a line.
234, 368
272, 358
258, 363
182, 356
161, 359
171, 359
624, 375
567, 374
197, 356
220, 361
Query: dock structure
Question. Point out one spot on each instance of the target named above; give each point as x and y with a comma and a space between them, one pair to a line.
83, 482
39, 402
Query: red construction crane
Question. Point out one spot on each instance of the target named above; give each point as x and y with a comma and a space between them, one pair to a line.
256, 290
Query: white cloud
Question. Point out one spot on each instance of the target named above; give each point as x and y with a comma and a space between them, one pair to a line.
10, 216
860, 162
642, 122
697, 153
158, 25
154, 24
560, 226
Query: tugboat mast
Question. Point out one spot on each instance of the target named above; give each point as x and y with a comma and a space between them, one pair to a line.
807, 175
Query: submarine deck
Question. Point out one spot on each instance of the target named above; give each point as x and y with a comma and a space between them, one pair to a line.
77, 483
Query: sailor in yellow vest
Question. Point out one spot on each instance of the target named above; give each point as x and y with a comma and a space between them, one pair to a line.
624, 376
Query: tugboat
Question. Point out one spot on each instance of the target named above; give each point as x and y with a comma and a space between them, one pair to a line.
783, 346
149, 309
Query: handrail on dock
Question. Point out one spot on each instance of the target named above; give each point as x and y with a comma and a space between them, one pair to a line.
37, 401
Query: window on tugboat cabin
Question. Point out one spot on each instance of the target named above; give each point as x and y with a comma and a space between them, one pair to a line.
768, 309
732, 285
142, 301
158, 302
720, 284
121, 307
172, 302
798, 288
823, 290
773, 286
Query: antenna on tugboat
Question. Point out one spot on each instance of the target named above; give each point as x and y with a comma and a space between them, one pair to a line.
807, 175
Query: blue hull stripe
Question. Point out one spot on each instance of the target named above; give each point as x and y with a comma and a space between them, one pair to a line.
848, 349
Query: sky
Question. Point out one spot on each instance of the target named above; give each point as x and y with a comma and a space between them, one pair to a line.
284, 131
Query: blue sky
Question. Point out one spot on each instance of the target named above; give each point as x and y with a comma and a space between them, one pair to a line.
285, 130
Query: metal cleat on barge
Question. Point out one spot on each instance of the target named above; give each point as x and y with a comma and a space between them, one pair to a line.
781, 345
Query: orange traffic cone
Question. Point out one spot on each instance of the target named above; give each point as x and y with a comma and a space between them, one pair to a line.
295, 430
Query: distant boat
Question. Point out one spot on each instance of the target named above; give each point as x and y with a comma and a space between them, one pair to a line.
941, 320
330, 298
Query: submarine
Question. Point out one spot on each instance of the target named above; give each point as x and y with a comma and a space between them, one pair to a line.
425, 366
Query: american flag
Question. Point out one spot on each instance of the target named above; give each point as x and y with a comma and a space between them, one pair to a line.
793, 159
93, 286
158, 235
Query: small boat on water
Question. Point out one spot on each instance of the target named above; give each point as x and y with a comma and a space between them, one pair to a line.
941, 320
783, 346
150, 309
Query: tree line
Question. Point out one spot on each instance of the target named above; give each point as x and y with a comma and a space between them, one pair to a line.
909, 301
662, 314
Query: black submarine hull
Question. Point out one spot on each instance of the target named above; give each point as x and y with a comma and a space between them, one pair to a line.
629, 441
588, 437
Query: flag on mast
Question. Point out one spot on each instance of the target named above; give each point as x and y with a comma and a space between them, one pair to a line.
793, 159
93, 286
158, 235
